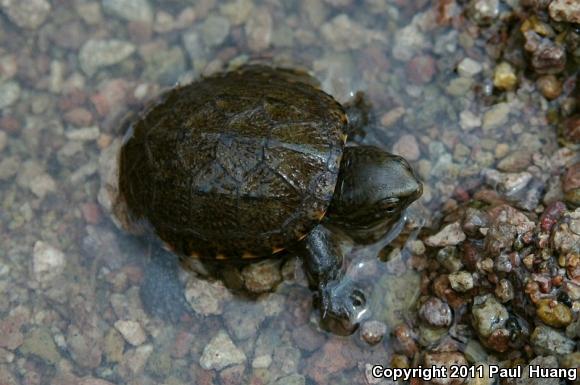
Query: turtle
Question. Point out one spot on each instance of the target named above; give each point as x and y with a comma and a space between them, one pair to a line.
255, 163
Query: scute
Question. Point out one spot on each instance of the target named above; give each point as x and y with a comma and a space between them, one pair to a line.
237, 164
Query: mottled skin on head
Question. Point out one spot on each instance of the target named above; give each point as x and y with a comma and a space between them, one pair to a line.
246, 164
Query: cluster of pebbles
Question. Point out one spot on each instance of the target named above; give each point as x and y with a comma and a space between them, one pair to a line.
481, 96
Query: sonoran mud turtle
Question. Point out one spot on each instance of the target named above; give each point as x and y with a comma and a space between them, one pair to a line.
254, 163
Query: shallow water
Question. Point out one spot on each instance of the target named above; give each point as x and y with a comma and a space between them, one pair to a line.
71, 70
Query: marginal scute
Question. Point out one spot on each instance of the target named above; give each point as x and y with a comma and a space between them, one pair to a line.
236, 163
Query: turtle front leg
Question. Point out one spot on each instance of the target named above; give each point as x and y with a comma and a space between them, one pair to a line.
342, 303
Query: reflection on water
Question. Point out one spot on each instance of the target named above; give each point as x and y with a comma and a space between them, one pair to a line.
78, 292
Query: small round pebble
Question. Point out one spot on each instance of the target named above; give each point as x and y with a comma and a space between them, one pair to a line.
461, 281
372, 332
436, 312
504, 76
549, 86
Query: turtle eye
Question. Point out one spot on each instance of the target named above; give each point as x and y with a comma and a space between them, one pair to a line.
389, 205
357, 298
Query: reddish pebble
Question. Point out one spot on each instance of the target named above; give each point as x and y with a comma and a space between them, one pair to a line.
91, 213
111, 96
79, 117
421, 69
9, 124
551, 215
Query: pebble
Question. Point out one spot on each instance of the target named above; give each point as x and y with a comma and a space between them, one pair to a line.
113, 346
9, 93
42, 184
496, 116
85, 345
548, 341
571, 185
221, 352
444, 359
504, 76
237, 11
131, 331
504, 291
48, 262
554, 313
450, 235
549, 57
565, 10
507, 184
516, 161
461, 281
28, 14
85, 134
3, 140
343, 33
206, 297
214, 30
436, 312
566, 234
483, 12
372, 332
262, 276
164, 65
243, 320
468, 120
549, 86
538, 362
488, 315
407, 147
468, 68
131, 10
421, 69
96, 54
39, 342
9, 167
258, 30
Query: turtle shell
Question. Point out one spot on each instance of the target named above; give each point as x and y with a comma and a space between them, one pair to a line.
237, 165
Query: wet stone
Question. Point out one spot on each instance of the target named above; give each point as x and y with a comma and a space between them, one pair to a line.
554, 313
214, 30
565, 10
262, 276
372, 332
549, 86
48, 262
28, 14
468, 68
259, 30
461, 281
548, 341
496, 116
488, 315
483, 12
450, 235
96, 54
446, 359
542, 362
221, 352
206, 297
131, 10
243, 320
131, 331
407, 147
504, 76
566, 234
504, 291
549, 57
9, 93
436, 312
40, 343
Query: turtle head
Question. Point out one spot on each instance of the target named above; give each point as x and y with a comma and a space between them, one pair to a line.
342, 305
373, 188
